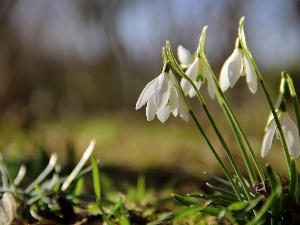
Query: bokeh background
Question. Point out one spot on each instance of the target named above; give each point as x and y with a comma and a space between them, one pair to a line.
71, 71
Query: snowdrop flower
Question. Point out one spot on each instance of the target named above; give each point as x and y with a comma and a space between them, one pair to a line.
290, 132
162, 98
235, 66
197, 71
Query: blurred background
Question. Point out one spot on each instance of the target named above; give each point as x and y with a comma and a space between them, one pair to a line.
71, 71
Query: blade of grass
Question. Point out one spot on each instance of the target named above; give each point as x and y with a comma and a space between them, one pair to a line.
96, 178
42, 176
79, 166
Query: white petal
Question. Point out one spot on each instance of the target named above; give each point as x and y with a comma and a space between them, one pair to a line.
147, 92
251, 77
175, 112
192, 92
231, 70
235, 67
210, 83
268, 138
184, 55
224, 78
191, 72
291, 134
150, 109
162, 93
163, 114
182, 109
173, 99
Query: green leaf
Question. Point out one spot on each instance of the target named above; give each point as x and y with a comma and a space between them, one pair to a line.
116, 206
213, 211
78, 188
96, 178
275, 201
140, 189
219, 199
184, 201
238, 206
254, 202
222, 191
260, 218
182, 213
293, 191
227, 183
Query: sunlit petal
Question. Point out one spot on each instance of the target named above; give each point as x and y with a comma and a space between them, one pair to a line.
173, 99
162, 93
191, 72
150, 109
235, 66
210, 83
163, 113
184, 55
231, 70
251, 77
193, 92
175, 112
291, 134
224, 78
147, 92
268, 138
183, 110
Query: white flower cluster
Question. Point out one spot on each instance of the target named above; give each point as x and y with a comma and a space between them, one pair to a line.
163, 95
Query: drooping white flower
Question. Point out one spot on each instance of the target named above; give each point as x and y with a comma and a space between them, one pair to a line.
162, 98
290, 132
197, 71
235, 66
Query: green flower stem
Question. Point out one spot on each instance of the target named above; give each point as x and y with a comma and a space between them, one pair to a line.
225, 170
260, 78
203, 104
232, 119
238, 131
238, 137
229, 155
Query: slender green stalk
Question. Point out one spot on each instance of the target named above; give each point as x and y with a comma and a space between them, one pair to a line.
238, 131
229, 177
225, 170
242, 133
222, 141
238, 137
260, 78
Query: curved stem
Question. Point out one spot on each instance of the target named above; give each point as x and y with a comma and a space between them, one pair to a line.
237, 130
222, 141
261, 81
225, 170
